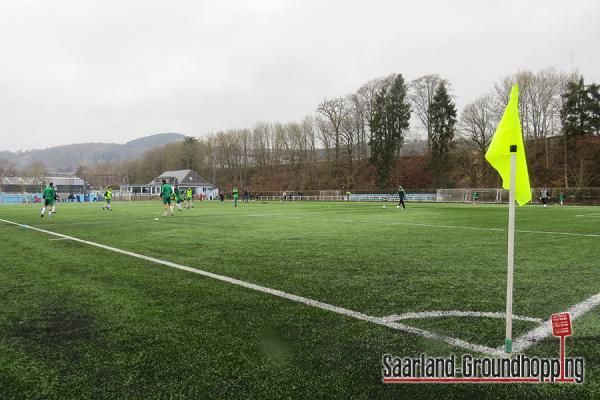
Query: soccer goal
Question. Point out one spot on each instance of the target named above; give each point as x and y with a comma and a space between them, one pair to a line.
466, 195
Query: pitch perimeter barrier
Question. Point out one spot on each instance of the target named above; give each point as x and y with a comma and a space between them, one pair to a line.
6, 198
378, 197
416, 197
27, 198
484, 195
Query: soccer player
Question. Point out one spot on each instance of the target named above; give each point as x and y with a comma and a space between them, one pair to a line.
165, 194
245, 196
475, 198
235, 193
401, 196
561, 198
49, 197
189, 198
544, 196
108, 198
177, 197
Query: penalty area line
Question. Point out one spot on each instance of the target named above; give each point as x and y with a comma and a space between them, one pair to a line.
279, 293
476, 228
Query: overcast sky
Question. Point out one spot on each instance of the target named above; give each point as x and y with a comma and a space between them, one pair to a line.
114, 70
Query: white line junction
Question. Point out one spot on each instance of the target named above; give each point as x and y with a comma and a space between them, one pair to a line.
520, 344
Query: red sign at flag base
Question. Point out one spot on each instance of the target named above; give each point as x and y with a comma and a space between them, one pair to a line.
561, 324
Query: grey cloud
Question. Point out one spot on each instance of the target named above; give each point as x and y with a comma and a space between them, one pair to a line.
74, 71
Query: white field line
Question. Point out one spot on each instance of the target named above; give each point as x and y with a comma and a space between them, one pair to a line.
477, 228
430, 225
293, 216
279, 293
588, 215
525, 341
304, 213
60, 239
456, 313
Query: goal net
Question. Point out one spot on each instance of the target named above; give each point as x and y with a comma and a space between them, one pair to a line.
467, 195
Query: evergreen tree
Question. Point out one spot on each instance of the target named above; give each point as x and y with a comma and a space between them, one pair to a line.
593, 92
443, 121
575, 112
397, 115
388, 123
580, 115
377, 125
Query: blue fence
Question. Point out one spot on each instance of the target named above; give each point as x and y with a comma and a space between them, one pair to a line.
22, 198
19, 198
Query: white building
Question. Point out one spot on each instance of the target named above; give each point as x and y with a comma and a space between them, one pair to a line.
185, 178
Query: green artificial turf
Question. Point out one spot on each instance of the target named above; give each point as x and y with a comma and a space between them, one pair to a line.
82, 322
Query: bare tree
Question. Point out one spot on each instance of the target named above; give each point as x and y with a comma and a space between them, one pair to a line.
189, 151
334, 111
310, 133
539, 104
7, 168
477, 123
353, 132
324, 134
37, 170
502, 91
280, 144
243, 137
261, 143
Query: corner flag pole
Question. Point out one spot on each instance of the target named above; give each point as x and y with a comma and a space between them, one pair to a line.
511, 249
506, 154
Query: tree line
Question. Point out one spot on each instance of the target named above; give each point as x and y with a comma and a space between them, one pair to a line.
391, 131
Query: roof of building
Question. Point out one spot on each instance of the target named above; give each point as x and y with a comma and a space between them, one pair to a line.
16, 180
180, 177
179, 174
65, 180
58, 180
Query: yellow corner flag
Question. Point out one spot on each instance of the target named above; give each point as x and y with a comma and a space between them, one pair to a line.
509, 134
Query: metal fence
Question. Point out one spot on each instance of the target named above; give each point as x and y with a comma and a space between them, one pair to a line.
373, 197
484, 195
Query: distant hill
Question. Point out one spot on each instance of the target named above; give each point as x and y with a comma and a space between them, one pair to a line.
68, 157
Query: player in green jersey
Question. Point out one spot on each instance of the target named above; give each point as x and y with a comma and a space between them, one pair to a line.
108, 199
561, 198
177, 197
49, 196
475, 198
235, 193
165, 193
